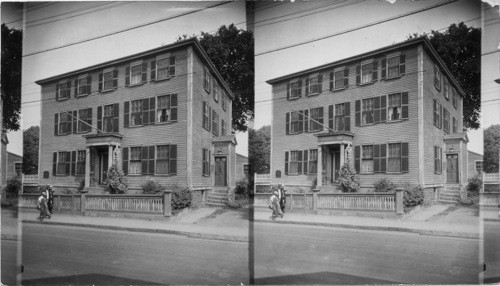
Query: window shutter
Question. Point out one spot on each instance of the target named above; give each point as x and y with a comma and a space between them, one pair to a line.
73, 163
100, 82
356, 158
151, 161
145, 111
173, 107
383, 158
376, 158
76, 87
89, 84
357, 112
299, 163
173, 159
435, 160
404, 157
320, 83
287, 123
304, 169
306, 120
204, 159
321, 117
116, 115
56, 124
358, 74
383, 70
331, 81
375, 71
299, 92
89, 120
126, 113
346, 77
301, 121
57, 91
144, 74
402, 65
152, 109
144, 159
330, 118
286, 162
307, 86
125, 160
404, 105
68, 163
288, 91
127, 76
153, 70
171, 68
99, 119
54, 164
347, 116
74, 119
115, 78
376, 109
383, 108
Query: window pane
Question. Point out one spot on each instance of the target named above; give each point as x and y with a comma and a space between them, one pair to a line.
393, 67
108, 80
366, 73
136, 74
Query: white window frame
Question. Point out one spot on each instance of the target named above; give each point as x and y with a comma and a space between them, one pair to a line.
314, 121
363, 159
81, 85
294, 89
207, 80
396, 67
139, 113
297, 122
337, 116
369, 74
167, 67
398, 108
340, 70
80, 126
130, 161
132, 66
311, 86
168, 110
68, 123
109, 71
63, 89
309, 156
78, 161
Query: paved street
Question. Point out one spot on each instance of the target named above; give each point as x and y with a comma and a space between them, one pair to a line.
9, 246
492, 252
296, 254
73, 255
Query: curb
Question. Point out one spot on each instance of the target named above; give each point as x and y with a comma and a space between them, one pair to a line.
383, 228
151, 230
492, 219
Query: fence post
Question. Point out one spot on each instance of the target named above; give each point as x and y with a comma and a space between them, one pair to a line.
82, 203
399, 201
315, 199
167, 203
59, 202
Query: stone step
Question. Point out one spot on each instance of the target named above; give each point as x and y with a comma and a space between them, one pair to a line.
210, 204
220, 191
445, 197
447, 201
217, 195
217, 200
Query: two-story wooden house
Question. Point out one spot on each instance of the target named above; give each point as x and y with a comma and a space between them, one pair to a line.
397, 109
164, 114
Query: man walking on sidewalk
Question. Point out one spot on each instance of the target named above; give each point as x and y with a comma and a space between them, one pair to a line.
275, 206
282, 198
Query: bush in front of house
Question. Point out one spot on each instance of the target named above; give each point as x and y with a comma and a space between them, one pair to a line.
181, 197
151, 187
474, 187
413, 195
11, 190
384, 185
242, 189
116, 180
348, 179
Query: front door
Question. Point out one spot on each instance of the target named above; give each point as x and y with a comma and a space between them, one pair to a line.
220, 171
452, 168
103, 167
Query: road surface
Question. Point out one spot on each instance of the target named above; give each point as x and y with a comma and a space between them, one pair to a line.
491, 246
286, 254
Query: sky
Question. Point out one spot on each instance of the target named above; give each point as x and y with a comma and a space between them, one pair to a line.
327, 29
58, 38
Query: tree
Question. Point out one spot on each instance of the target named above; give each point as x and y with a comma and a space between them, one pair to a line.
30, 150
460, 49
12, 45
231, 51
491, 148
259, 149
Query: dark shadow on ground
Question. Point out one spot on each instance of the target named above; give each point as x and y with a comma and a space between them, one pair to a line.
492, 280
330, 278
87, 279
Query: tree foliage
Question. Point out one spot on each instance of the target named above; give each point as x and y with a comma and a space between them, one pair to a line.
231, 51
30, 150
259, 149
12, 44
491, 141
460, 49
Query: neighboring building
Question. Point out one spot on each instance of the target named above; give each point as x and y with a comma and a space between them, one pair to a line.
163, 114
475, 165
14, 165
242, 167
397, 110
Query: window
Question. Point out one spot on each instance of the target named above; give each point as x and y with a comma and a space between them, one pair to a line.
455, 125
206, 162
82, 85
295, 122
437, 77
207, 84
394, 157
438, 159
437, 114
313, 161
223, 127
367, 159
446, 120
339, 79
63, 90
313, 84
455, 99
246, 170
224, 100
18, 169
165, 68
479, 167
80, 162
294, 162
216, 91
136, 74
215, 123
446, 89
64, 123
166, 108
166, 159
135, 165
85, 120
393, 67
366, 73
294, 89
108, 80
367, 111
63, 161
394, 109
136, 113
207, 112
340, 117
316, 119
107, 118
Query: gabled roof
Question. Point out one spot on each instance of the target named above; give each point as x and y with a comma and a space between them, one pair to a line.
412, 42
474, 153
181, 44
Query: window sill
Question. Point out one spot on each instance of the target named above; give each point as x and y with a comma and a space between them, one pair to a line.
164, 123
163, 79
63, 134
164, 175
293, 98
367, 173
82, 132
367, 83
314, 131
391, 78
62, 99
395, 121
137, 84
82, 95
312, 94
206, 176
295, 133
107, 90
339, 89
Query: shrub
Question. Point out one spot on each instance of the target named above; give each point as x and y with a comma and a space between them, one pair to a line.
151, 187
412, 195
242, 189
13, 187
384, 185
116, 180
474, 186
348, 179
181, 197
81, 185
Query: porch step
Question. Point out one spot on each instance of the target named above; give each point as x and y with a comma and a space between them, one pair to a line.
218, 197
450, 194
